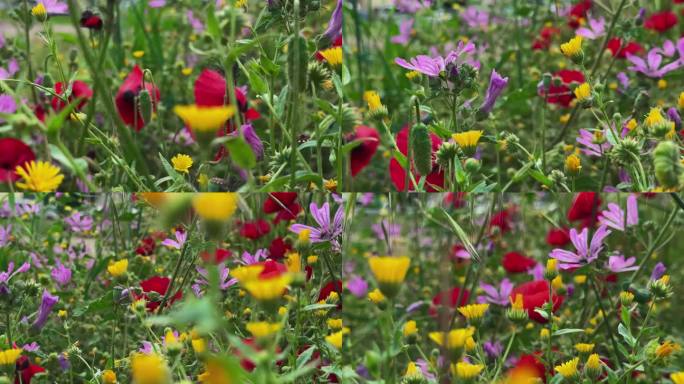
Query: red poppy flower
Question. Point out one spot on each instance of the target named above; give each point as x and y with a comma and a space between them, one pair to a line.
455, 199
528, 365
255, 229
502, 220
561, 94
514, 262
278, 201
79, 89
159, 285
91, 20
146, 247
558, 237
217, 257
543, 42
584, 204
278, 248
126, 98
26, 370
615, 45
452, 296
435, 179
210, 91
577, 12
535, 294
362, 154
287, 214
13, 152
326, 290
661, 21
272, 269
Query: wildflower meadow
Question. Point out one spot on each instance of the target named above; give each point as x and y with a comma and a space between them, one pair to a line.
169, 95
480, 96
170, 288
515, 288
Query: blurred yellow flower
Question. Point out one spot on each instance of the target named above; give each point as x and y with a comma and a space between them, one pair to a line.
268, 289
118, 268
204, 119
568, 369
9, 356
218, 206
149, 368
263, 329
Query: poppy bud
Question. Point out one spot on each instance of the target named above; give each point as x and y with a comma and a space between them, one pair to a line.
47, 81
145, 105
472, 165
297, 63
421, 148
667, 165
546, 80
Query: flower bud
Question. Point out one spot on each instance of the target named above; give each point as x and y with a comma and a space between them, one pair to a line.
421, 146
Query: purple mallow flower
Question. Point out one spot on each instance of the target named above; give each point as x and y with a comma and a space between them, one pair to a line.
651, 67
335, 24
615, 218
181, 236
5, 235
404, 35
585, 252
433, 66
618, 263
658, 271
496, 86
476, 18
48, 301
78, 222
327, 230
596, 29
591, 147
496, 296
55, 6
253, 140
357, 286
61, 275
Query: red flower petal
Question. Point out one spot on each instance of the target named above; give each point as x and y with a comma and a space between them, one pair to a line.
363, 153
535, 294
514, 262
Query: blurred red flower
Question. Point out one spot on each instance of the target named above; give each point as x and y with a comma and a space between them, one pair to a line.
514, 262
560, 94
631, 48
255, 229
159, 285
79, 90
661, 21
535, 294
558, 237
13, 152
584, 204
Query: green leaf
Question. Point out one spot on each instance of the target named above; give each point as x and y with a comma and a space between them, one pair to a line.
565, 331
212, 23
462, 236
55, 124
241, 152
627, 335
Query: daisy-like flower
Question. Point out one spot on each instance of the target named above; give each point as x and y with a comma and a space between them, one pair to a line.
568, 369
473, 312
467, 371
39, 176
573, 48
332, 55
263, 329
585, 253
118, 268
467, 140
582, 92
181, 162
615, 218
